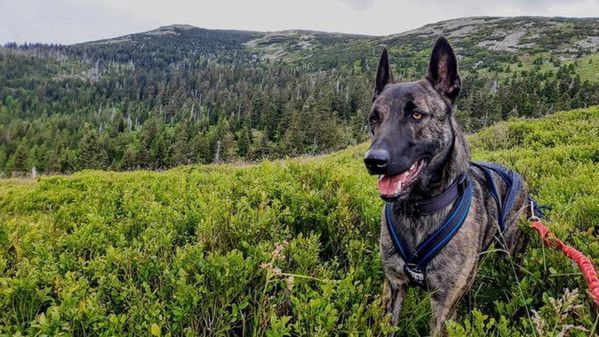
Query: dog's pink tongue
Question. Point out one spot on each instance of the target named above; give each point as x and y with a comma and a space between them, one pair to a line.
391, 185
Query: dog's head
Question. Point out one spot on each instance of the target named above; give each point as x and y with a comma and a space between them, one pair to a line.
410, 123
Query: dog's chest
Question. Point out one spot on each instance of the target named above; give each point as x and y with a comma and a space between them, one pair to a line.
414, 245
411, 232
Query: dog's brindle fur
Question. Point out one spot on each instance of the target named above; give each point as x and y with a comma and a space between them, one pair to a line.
436, 137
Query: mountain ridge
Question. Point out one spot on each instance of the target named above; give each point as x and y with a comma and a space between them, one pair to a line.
456, 20
566, 37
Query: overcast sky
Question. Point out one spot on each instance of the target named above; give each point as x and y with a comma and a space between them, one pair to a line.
70, 21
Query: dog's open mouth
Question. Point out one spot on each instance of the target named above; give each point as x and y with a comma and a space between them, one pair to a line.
391, 187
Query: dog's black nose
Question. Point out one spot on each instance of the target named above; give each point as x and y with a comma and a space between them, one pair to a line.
376, 161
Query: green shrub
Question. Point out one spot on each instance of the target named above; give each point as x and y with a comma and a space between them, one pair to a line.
280, 248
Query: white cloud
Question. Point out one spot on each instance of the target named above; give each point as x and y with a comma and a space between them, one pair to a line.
64, 21
82, 20
359, 4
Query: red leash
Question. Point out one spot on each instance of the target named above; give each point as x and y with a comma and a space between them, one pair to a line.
582, 261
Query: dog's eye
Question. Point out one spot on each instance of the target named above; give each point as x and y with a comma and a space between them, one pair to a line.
374, 119
417, 115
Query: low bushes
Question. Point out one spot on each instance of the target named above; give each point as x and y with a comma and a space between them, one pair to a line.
279, 248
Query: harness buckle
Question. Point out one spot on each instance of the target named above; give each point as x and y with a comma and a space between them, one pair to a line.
415, 274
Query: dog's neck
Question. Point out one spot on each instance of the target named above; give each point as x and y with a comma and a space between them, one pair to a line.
452, 165
456, 161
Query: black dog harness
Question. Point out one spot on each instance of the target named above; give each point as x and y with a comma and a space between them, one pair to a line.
460, 190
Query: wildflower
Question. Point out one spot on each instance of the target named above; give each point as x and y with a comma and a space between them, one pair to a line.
266, 265
276, 254
270, 269
289, 281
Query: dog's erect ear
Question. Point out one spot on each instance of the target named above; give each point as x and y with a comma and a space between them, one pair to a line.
443, 70
383, 74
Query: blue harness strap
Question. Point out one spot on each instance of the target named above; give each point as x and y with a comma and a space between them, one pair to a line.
417, 259
513, 182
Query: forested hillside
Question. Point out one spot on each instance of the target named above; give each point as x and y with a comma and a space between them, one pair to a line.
282, 248
180, 94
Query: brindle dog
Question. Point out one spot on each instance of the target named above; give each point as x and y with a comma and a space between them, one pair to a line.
418, 150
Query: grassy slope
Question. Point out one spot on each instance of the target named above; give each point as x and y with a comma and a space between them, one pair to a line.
275, 248
588, 67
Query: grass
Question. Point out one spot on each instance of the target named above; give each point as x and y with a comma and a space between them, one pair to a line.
588, 67
286, 248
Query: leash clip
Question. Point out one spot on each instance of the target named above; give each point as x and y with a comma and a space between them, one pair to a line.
533, 216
